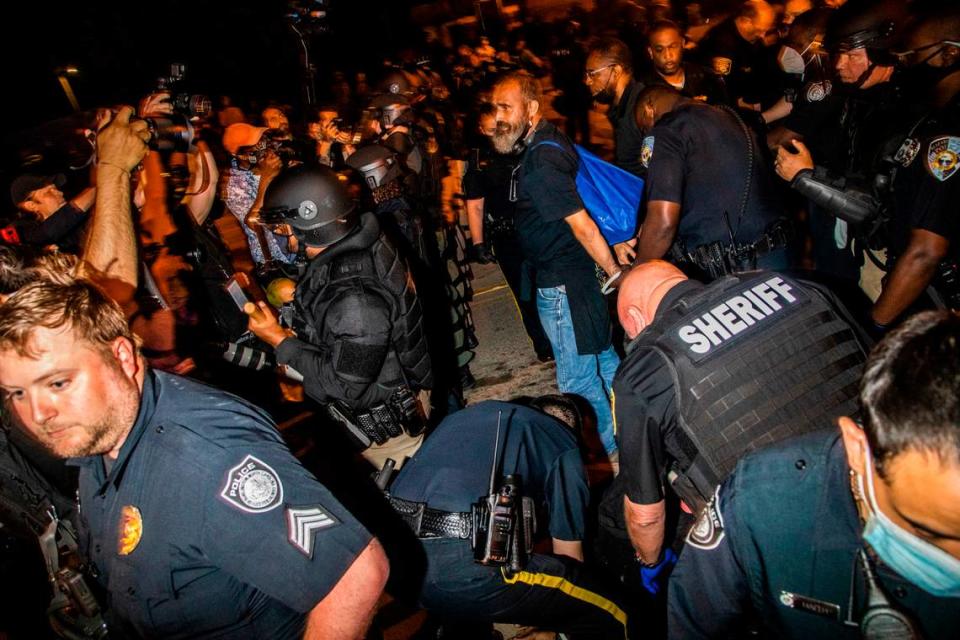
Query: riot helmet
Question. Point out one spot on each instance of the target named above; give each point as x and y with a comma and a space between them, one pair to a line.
391, 107
396, 82
376, 163
314, 202
867, 24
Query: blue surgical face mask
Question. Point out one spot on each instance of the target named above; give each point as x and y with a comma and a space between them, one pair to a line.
921, 563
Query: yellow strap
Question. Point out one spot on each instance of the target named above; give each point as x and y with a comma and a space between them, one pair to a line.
572, 590
613, 410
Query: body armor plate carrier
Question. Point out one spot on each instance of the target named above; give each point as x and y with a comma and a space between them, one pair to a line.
754, 360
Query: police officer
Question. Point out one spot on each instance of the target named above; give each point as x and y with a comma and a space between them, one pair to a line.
850, 130
195, 517
537, 457
712, 372
359, 341
842, 534
609, 77
386, 181
925, 231
711, 201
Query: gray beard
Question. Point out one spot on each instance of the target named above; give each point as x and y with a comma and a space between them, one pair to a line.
506, 141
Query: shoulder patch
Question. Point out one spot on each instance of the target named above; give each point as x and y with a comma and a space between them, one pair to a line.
646, 151
817, 91
907, 152
943, 157
707, 532
721, 66
303, 523
253, 486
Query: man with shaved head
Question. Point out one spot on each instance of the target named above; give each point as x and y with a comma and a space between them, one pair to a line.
712, 372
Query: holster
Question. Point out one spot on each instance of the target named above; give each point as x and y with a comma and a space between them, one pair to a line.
719, 259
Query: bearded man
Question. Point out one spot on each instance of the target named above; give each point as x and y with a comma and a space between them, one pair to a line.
561, 242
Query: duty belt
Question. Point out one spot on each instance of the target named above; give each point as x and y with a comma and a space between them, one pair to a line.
384, 421
432, 523
719, 259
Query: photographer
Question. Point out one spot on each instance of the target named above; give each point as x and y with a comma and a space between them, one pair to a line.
254, 163
45, 216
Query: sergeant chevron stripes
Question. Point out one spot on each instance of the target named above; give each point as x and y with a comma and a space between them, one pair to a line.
303, 524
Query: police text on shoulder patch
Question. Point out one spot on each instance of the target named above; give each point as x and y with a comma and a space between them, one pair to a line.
646, 151
253, 486
707, 532
303, 523
943, 157
817, 91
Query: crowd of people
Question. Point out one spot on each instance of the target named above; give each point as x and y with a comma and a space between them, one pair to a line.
765, 364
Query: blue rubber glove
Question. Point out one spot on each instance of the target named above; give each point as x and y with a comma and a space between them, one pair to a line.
654, 577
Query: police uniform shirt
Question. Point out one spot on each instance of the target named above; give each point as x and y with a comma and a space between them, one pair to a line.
697, 157
777, 545
927, 187
205, 525
451, 471
698, 83
488, 177
815, 118
736, 62
546, 192
628, 138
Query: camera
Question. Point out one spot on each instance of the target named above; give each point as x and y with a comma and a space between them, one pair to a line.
176, 132
503, 526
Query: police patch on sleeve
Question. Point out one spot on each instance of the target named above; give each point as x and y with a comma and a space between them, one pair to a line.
253, 486
943, 157
817, 91
721, 66
646, 151
303, 523
707, 532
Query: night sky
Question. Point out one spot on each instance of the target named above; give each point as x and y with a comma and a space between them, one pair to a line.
243, 48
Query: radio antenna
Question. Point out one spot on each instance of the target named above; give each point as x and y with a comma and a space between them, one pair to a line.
496, 449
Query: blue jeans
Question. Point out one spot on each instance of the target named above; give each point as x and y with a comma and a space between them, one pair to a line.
589, 376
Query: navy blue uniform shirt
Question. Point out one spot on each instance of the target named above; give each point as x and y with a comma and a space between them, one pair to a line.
206, 525
451, 471
698, 157
776, 548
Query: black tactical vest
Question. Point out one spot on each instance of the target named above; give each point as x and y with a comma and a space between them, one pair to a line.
378, 268
755, 359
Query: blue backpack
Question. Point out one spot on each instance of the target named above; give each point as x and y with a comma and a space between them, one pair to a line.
611, 195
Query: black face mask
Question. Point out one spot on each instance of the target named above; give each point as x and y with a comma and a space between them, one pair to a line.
605, 95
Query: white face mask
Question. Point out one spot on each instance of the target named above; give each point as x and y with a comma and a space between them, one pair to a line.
791, 61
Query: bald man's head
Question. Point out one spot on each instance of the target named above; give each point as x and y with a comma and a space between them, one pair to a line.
642, 291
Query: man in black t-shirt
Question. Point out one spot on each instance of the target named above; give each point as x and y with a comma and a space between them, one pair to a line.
609, 77
47, 218
665, 44
711, 201
561, 241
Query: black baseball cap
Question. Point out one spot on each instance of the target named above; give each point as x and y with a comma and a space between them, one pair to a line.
23, 186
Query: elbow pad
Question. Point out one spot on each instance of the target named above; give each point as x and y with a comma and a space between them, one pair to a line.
851, 205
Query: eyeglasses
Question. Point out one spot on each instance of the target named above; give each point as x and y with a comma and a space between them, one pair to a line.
589, 75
